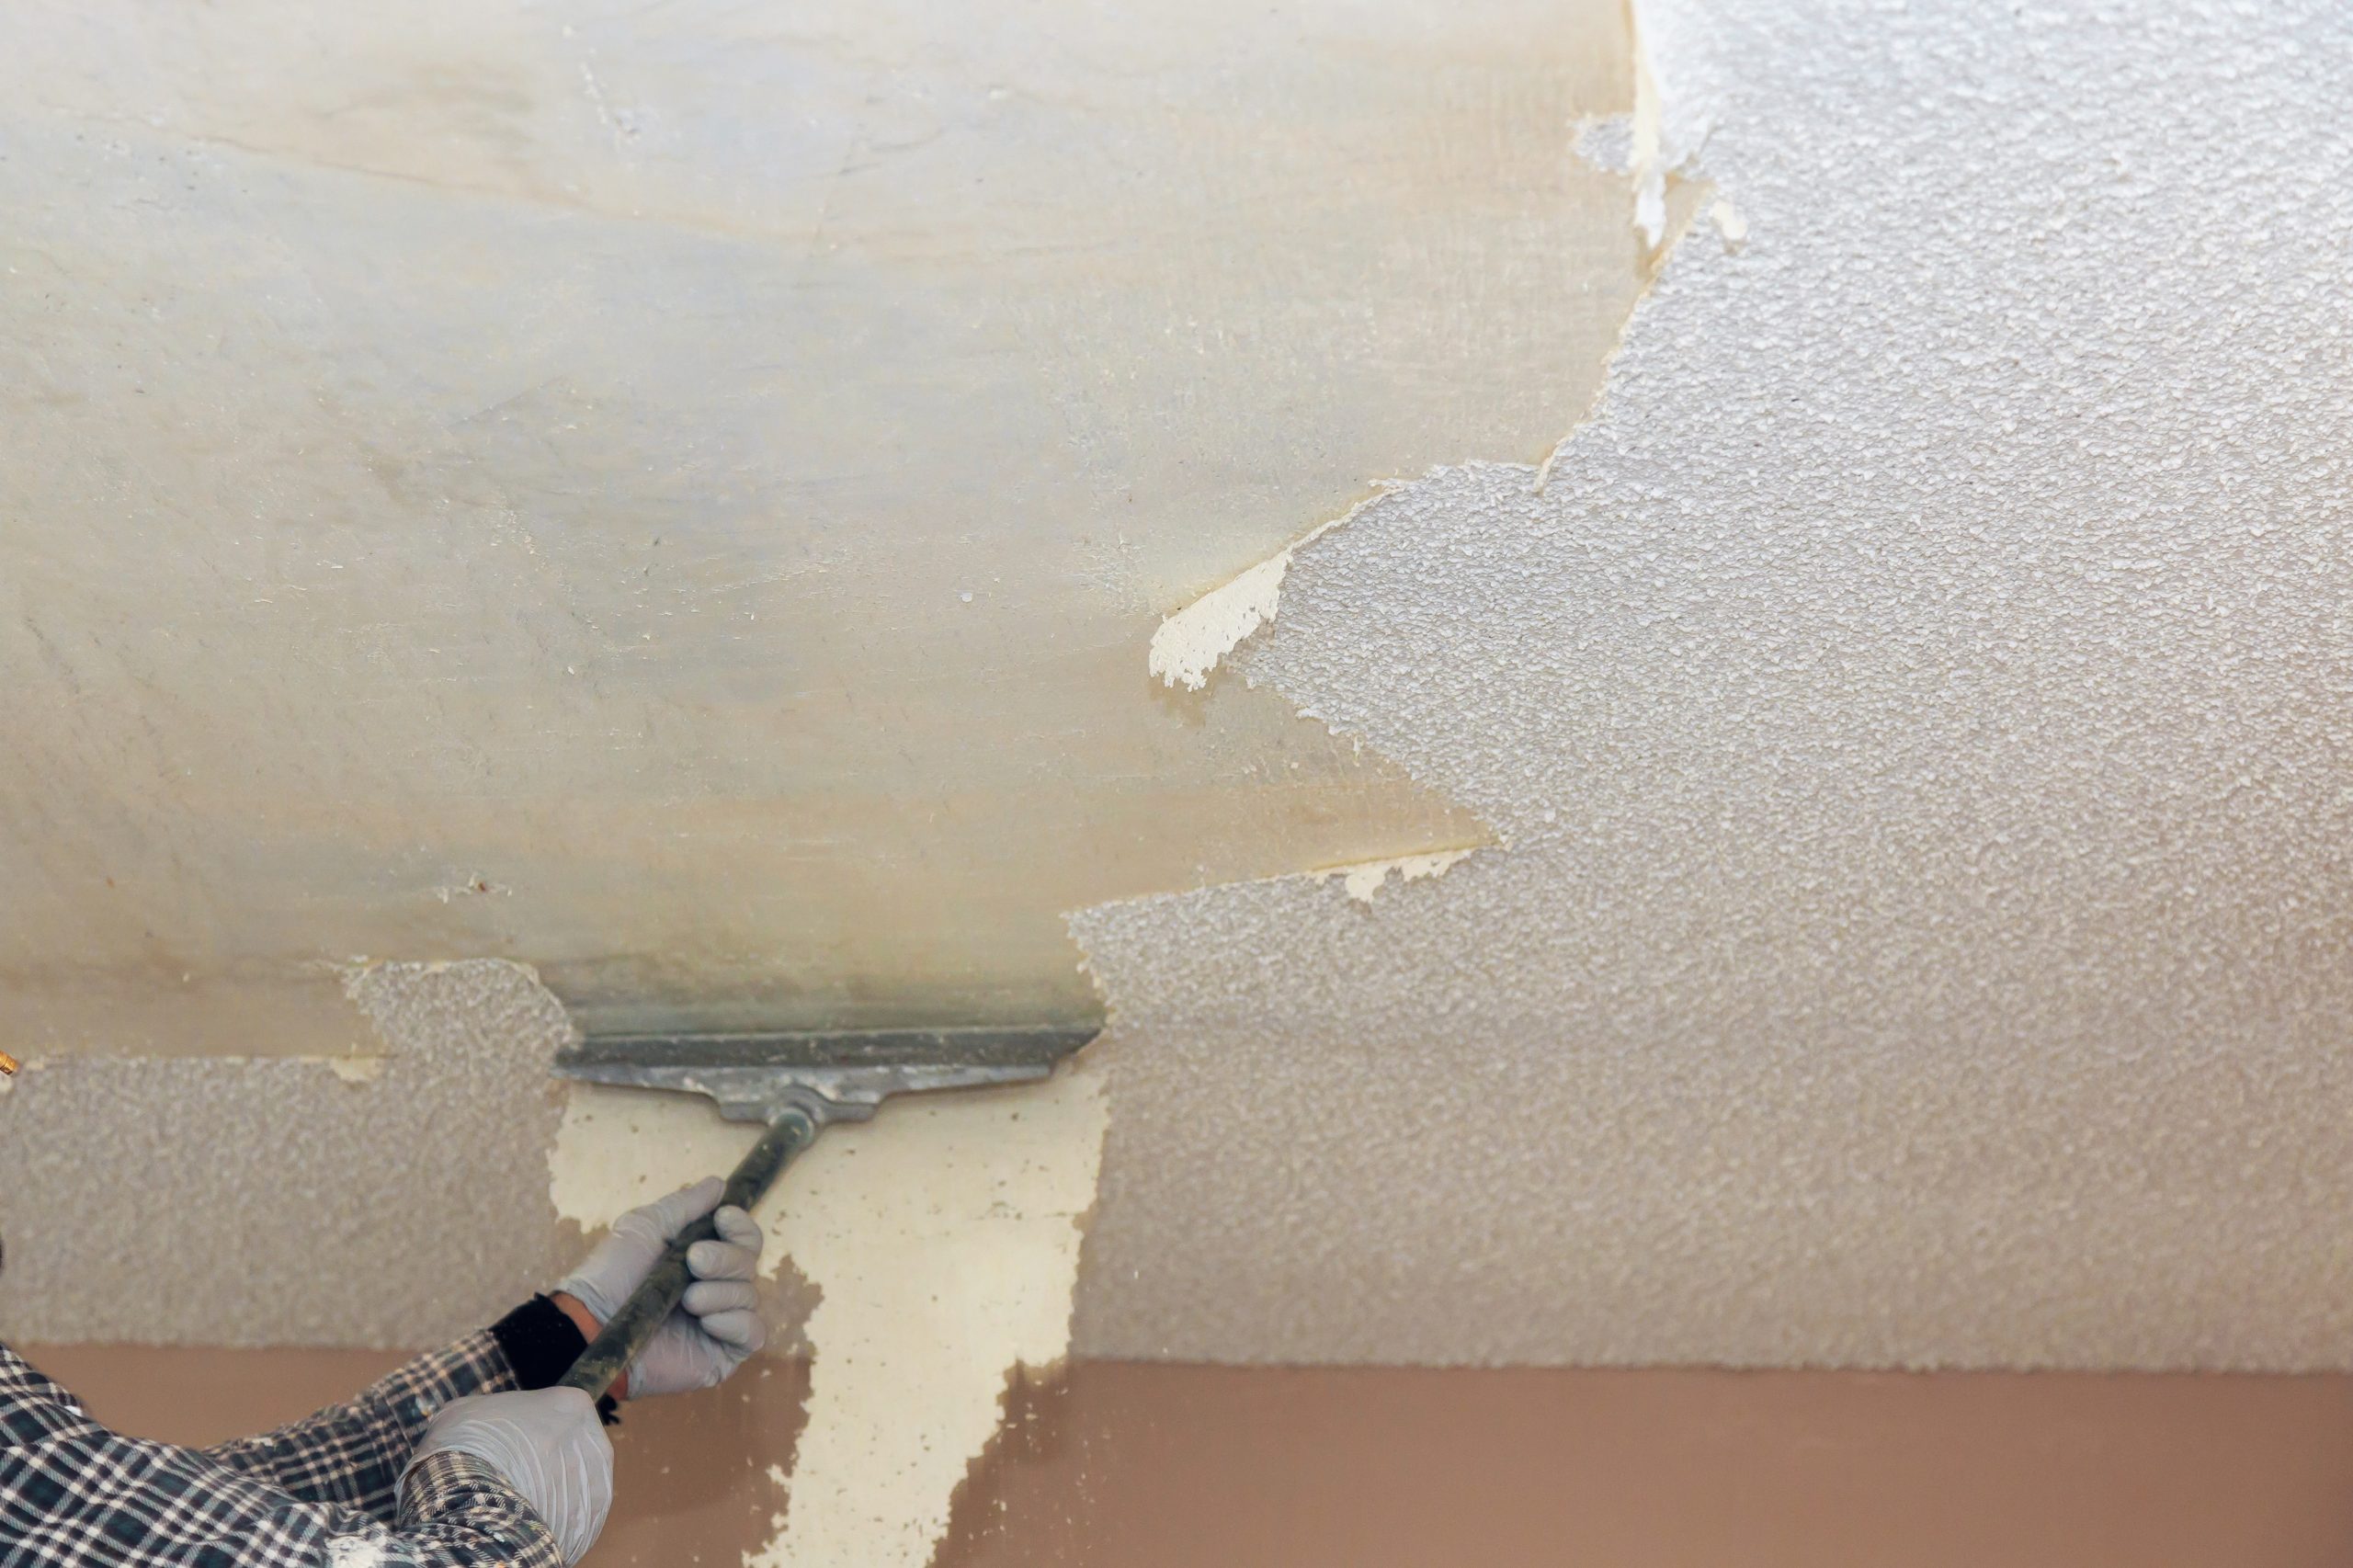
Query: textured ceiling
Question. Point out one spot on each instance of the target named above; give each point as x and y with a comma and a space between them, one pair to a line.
1916, 714
1912, 720
682, 496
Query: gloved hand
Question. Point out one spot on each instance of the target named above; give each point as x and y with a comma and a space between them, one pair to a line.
550, 1446
716, 1326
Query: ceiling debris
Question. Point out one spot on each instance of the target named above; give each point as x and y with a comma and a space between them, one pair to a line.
1188, 644
350, 1068
1645, 158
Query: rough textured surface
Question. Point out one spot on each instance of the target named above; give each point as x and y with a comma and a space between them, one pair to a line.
1915, 711
1916, 714
277, 1202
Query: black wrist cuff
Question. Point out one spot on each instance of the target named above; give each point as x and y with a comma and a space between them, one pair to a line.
541, 1344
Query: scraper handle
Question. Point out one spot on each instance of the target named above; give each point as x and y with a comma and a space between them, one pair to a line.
609, 1353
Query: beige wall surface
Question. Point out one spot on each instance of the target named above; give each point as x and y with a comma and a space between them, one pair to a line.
1177, 1466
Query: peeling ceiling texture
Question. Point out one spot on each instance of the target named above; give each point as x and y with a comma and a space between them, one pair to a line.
683, 500
655, 513
1915, 714
1687, 687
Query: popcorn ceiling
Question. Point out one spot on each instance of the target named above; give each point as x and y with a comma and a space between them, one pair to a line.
1918, 712
1915, 716
396, 1200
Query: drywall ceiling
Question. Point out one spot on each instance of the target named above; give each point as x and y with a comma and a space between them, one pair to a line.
674, 496
1911, 713
1906, 723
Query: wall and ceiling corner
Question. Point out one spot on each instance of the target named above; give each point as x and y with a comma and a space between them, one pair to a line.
471, 503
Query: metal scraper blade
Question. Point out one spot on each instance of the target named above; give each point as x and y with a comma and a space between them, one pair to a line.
847, 1072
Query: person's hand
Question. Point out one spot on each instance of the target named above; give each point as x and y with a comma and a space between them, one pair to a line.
548, 1443
716, 1324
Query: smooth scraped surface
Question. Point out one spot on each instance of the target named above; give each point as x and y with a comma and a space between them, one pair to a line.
262, 1201
1917, 712
942, 1240
674, 495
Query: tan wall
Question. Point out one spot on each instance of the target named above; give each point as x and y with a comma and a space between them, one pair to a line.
1131, 1466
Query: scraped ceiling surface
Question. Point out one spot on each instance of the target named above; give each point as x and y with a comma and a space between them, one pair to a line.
1907, 725
673, 495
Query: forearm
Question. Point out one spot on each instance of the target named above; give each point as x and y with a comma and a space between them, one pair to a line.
352, 1453
455, 1512
458, 1512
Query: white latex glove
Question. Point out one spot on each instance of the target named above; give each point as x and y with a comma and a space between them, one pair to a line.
716, 1326
550, 1446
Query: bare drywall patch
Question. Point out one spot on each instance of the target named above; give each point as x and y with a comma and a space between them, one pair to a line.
1188, 644
943, 1241
1363, 882
1918, 711
276, 1201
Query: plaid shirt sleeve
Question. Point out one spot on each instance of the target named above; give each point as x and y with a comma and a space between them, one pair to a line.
315, 1494
353, 1453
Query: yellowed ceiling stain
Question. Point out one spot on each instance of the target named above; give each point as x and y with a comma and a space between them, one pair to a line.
943, 1238
677, 496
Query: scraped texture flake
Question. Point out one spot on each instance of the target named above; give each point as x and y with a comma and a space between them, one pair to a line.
1920, 711
1364, 882
943, 1239
1189, 644
196, 1200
